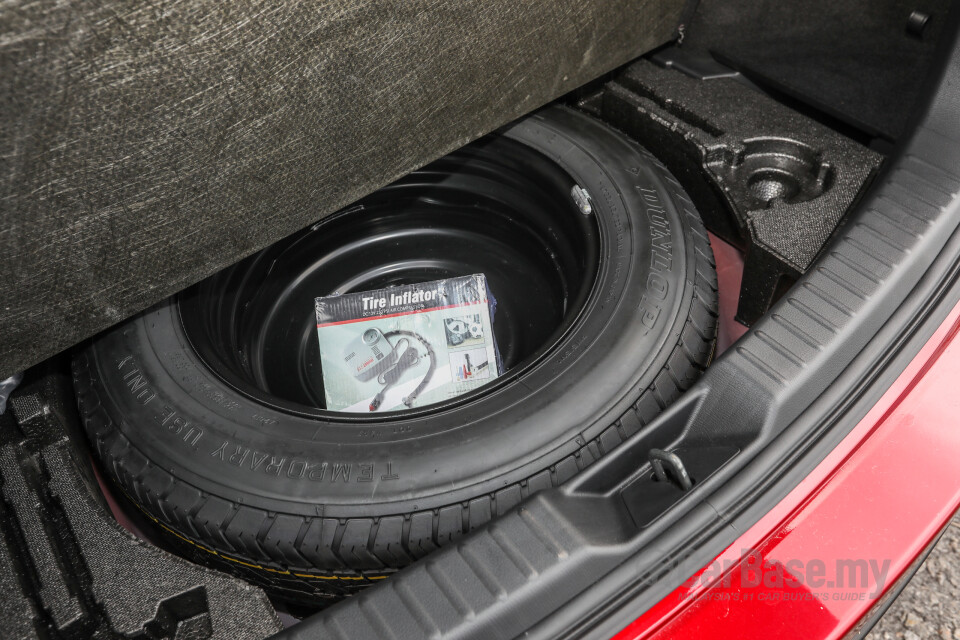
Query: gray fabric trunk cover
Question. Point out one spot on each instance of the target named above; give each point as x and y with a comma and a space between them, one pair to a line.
145, 145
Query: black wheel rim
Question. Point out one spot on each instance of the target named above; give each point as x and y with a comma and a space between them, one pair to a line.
496, 207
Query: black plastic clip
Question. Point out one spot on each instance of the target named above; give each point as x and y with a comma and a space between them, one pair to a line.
662, 461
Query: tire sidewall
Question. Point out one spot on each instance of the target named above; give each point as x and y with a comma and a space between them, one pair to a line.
190, 423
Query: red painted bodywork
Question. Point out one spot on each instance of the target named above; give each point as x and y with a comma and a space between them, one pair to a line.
729, 275
884, 494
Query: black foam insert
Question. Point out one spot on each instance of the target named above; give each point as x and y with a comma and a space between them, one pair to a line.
68, 570
764, 177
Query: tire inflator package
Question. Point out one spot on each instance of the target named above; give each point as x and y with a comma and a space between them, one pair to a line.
407, 346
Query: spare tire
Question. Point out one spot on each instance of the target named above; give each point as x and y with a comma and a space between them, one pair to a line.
206, 409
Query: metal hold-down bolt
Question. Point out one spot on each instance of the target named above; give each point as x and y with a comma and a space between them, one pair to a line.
582, 198
917, 22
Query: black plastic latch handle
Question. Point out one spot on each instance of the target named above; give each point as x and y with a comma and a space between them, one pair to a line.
663, 461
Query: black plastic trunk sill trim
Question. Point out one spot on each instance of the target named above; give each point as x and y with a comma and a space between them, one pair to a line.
586, 591
811, 438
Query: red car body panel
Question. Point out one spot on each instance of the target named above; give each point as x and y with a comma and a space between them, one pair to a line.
882, 495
